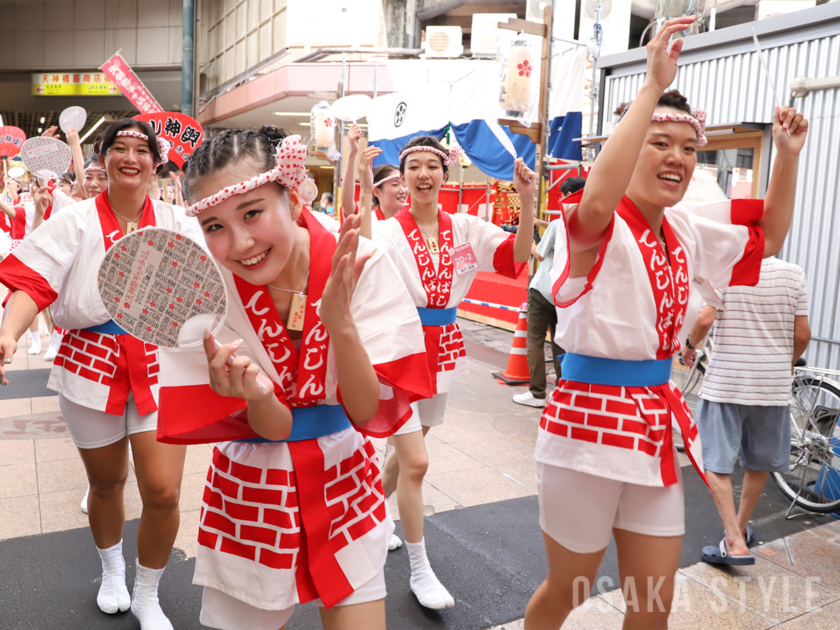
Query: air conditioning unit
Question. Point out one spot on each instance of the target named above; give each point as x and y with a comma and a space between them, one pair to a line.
534, 10
486, 36
443, 42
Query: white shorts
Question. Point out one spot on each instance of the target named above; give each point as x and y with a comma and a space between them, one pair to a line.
428, 412
220, 610
579, 510
90, 428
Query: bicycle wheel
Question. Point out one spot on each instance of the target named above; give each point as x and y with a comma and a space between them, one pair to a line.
813, 482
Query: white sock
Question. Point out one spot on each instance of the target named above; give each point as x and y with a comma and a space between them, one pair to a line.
394, 543
113, 594
424, 583
144, 602
35, 348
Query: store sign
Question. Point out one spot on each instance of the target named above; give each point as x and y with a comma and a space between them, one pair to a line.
73, 84
122, 75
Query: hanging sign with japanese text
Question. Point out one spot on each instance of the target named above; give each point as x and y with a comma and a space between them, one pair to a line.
182, 131
73, 84
132, 87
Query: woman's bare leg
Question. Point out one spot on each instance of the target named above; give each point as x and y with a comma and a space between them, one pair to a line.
555, 598
367, 616
107, 470
647, 566
159, 468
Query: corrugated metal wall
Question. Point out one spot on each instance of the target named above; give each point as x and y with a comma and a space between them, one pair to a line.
733, 89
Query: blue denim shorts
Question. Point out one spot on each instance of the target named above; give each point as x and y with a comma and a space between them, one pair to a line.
760, 435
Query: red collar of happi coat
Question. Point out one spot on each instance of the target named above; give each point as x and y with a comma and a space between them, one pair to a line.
437, 285
668, 282
111, 230
303, 374
379, 214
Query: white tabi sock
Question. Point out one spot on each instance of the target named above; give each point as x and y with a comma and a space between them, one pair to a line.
113, 594
35, 348
55, 344
144, 602
424, 583
394, 543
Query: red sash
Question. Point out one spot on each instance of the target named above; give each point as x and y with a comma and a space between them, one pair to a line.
668, 282
670, 287
438, 286
303, 375
111, 230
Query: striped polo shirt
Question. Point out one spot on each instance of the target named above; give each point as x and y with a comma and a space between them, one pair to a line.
753, 343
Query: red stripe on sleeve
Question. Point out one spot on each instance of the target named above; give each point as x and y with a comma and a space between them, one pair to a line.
195, 414
18, 277
503, 262
410, 380
746, 211
747, 271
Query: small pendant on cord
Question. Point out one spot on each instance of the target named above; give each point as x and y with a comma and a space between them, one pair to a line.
131, 227
433, 246
297, 312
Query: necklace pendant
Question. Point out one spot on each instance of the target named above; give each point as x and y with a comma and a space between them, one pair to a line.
297, 312
433, 245
131, 227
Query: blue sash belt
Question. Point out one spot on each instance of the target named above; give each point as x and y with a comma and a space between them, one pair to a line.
437, 316
313, 422
600, 371
108, 328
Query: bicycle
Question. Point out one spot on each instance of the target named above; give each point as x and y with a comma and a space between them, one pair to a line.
813, 482
689, 380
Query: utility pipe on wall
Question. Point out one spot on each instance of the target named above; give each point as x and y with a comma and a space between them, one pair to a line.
188, 59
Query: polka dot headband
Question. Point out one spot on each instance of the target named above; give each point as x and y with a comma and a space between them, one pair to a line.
449, 160
289, 172
385, 180
696, 120
164, 146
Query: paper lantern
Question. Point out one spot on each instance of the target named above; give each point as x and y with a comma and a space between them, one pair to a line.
323, 126
520, 79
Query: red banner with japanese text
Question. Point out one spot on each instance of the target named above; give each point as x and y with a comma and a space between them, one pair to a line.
118, 70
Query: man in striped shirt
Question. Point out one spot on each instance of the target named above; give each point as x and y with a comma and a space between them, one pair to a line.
743, 408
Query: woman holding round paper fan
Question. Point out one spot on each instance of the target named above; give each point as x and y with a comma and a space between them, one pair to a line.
107, 380
625, 257
438, 256
294, 510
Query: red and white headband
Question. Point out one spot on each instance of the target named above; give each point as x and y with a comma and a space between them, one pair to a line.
696, 120
449, 160
289, 172
385, 180
94, 166
164, 146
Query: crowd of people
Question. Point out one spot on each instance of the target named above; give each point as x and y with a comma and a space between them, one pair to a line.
354, 323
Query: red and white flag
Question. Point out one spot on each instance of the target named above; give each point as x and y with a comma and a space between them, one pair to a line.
118, 70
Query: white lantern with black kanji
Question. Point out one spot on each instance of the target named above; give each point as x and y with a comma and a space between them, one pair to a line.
519, 79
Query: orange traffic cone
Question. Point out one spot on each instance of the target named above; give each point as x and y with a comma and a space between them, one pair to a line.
517, 372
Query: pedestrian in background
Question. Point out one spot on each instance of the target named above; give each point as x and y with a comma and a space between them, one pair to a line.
542, 315
743, 408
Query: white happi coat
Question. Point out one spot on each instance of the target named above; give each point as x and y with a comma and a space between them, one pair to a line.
493, 248
287, 522
624, 433
57, 265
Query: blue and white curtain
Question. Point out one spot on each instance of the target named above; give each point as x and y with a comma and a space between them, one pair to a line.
469, 105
